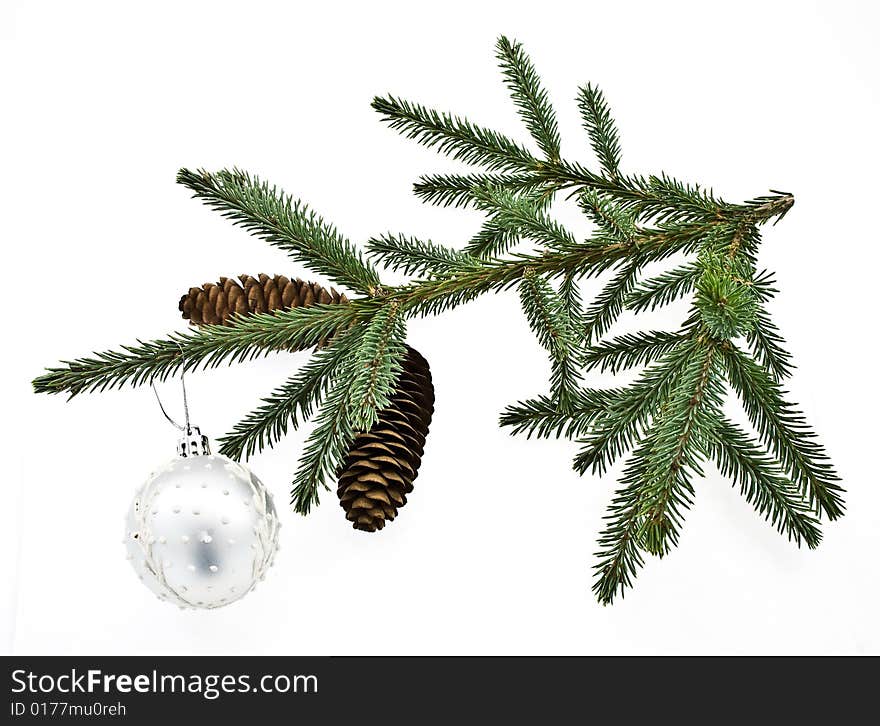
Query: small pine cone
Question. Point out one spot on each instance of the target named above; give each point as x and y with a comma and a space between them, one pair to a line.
382, 463
214, 303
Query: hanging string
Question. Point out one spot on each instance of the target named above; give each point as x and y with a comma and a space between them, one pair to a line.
185, 428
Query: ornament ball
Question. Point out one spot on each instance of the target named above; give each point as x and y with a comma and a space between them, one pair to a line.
201, 531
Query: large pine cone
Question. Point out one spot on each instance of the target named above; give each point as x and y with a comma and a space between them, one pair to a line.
215, 303
381, 465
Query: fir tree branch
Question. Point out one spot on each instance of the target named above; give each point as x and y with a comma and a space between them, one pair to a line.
460, 190
763, 283
210, 346
544, 313
291, 403
565, 380
572, 308
601, 128
785, 431
608, 305
764, 340
726, 305
542, 416
325, 448
416, 257
572, 303
503, 229
448, 290
529, 96
668, 200
663, 289
619, 555
631, 349
304, 327
766, 344
769, 206
671, 414
452, 135
549, 321
662, 199
614, 431
678, 442
376, 365
493, 240
284, 222
665, 492
524, 215
607, 215
762, 484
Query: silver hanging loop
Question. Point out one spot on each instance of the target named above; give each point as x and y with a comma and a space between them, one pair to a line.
165, 413
193, 442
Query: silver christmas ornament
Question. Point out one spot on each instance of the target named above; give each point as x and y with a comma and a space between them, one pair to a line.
202, 530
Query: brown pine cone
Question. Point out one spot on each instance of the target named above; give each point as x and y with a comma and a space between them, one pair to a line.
382, 463
215, 303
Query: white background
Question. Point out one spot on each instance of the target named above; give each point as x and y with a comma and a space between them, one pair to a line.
102, 102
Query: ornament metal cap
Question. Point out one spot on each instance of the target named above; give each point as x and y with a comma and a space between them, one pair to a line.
194, 443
